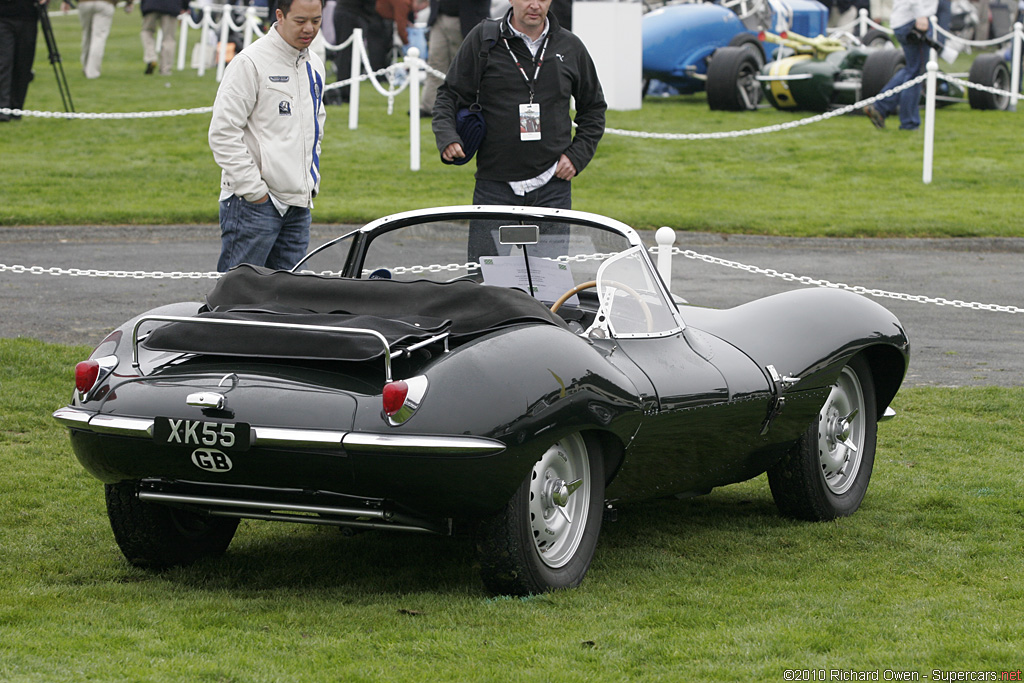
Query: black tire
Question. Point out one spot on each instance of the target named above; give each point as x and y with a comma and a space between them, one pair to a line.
536, 544
749, 41
827, 473
876, 38
991, 70
879, 67
155, 536
732, 79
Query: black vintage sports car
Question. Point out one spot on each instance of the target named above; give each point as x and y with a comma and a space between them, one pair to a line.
501, 372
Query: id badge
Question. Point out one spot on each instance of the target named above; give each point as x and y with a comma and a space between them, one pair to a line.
529, 121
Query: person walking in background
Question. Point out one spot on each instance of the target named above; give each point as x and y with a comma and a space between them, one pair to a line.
162, 15
402, 13
96, 17
377, 36
265, 134
450, 21
907, 17
19, 21
529, 154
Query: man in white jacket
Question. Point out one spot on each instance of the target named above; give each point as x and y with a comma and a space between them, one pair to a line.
268, 121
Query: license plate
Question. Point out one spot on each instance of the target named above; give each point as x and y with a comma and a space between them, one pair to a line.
226, 436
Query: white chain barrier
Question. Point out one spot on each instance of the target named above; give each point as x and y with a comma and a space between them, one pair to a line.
660, 251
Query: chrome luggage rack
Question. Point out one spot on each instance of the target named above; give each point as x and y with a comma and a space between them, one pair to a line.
388, 353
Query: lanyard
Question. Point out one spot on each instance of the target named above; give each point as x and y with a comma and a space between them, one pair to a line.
536, 71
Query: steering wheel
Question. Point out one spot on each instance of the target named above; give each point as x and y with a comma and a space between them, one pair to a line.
593, 283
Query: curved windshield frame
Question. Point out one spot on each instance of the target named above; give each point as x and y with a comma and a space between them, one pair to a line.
632, 299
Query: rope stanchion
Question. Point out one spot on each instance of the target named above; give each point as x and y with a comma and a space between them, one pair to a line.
412, 60
932, 69
358, 48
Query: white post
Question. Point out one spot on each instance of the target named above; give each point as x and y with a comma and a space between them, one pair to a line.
862, 16
1018, 38
222, 46
665, 237
353, 88
182, 40
929, 121
933, 33
250, 20
204, 39
413, 61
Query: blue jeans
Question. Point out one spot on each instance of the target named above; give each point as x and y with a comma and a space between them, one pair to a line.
908, 102
258, 234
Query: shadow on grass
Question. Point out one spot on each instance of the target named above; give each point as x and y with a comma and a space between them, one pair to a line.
285, 559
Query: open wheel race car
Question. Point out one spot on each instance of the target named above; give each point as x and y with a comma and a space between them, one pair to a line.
823, 73
495, 372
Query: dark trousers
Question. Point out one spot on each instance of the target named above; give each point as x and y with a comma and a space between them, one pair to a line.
17, 52
377, 34
555, 194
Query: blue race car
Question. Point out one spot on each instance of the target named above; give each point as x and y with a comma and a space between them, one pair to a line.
682, 46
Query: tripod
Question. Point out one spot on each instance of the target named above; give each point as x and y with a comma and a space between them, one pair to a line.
58, 67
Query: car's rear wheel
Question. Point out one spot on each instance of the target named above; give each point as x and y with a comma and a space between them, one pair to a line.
545, 537
879, 67
826, 474
875, 38
990, 70
157, 536
732, 79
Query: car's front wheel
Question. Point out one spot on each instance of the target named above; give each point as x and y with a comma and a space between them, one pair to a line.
992, 71
545, 537
826, 474
157, 536
732, 83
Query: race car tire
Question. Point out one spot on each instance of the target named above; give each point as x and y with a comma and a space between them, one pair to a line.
545, 537
879, 67
875, 38
827, 472
732, 79
155, 536
749, 41
992, 71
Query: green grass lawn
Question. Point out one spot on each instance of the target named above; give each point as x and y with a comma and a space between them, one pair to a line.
925, 576
836, 178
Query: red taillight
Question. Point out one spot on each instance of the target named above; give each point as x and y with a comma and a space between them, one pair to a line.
86, 373
395, 394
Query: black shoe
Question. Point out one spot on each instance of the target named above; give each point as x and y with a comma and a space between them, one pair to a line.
150, 68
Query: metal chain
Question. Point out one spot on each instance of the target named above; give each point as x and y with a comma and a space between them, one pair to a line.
813, 282
456, 267
133, 274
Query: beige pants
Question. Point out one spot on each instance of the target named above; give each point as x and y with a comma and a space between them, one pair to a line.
169, 25
445, 39
96, 17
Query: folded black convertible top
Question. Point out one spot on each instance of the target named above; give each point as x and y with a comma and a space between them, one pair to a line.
404, 312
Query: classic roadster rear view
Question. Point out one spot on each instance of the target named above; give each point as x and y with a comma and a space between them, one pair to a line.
497, 373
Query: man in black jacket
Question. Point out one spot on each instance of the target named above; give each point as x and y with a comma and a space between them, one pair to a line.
529, 154
18, 29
